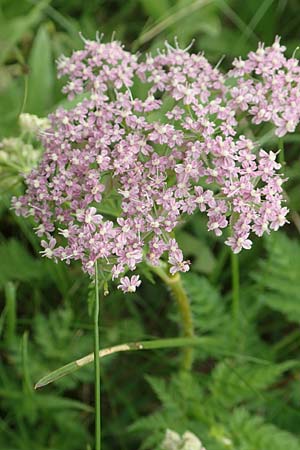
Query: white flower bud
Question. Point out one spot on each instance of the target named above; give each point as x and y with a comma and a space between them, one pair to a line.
191, 442
172, 440
30, 123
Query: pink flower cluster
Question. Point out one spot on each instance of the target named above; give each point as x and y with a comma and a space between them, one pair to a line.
267, 87
152, 141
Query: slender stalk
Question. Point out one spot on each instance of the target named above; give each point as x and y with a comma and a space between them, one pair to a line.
25, 360
235, 279
220, 264
97, 364
281, 153
11, 313
174, 283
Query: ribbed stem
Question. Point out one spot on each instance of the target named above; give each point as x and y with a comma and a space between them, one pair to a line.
174, 283
97, 363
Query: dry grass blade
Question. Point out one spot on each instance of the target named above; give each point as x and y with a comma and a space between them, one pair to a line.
171, 20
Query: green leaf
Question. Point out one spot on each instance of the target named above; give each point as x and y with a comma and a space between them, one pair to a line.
233, 384
53, 402
12, 95
128, 347
206, 303
251, 432
41, 74
17, 264
277, 277
161, 389
11, 31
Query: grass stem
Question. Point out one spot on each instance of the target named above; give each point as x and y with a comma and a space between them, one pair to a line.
97, 364
11, 313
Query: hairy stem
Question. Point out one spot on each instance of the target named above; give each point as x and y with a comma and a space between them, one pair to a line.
97, 364
174, 283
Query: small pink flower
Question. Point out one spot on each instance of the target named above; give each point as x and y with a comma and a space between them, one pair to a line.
177, 262
49, 247
238, 242
129, 284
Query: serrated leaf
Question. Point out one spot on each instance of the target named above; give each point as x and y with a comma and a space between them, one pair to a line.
206, 303
234, 384
161, 390
251, 432
278, 277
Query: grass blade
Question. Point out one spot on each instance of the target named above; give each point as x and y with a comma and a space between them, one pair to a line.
170, 20
144, 345
133, 346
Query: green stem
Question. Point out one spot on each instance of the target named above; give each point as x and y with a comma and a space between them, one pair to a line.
97, 364
219, 266
25, 361
235, 279
174, 283
11, 313
281, 153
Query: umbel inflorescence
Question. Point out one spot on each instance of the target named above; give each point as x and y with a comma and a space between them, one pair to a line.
152, 140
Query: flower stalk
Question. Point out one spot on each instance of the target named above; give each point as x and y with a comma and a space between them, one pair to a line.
281, 153
97, 363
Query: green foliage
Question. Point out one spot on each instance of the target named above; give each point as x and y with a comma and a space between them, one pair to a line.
251, 432
278, 276
207, 305
229, 402
16, 263
13, 30
232, 384
156, 8
201, 254
189, 402
41, 74
59, 414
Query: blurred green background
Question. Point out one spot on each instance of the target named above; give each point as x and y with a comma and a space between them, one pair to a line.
247, 398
